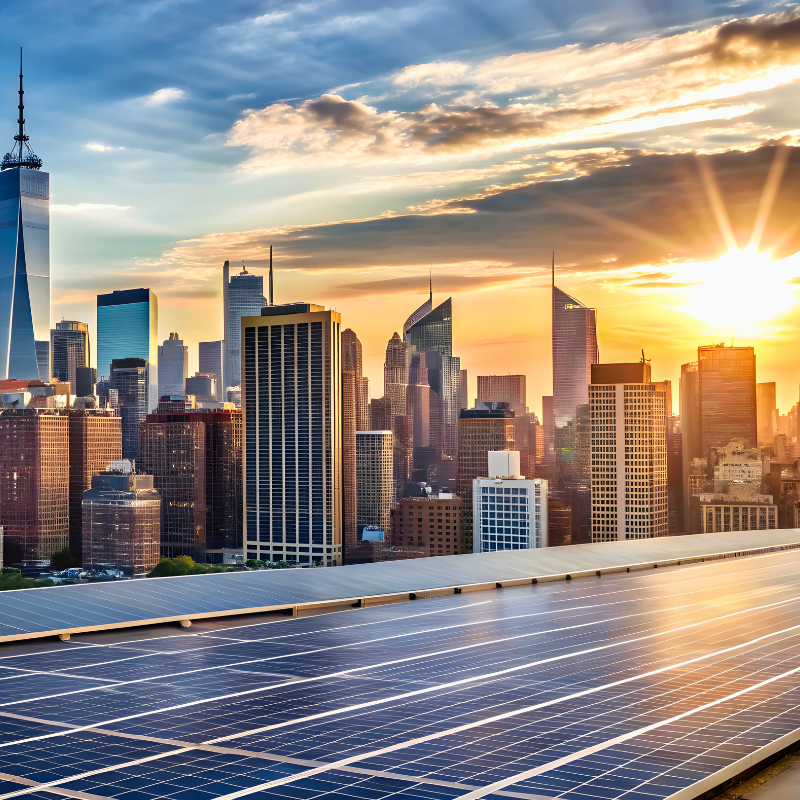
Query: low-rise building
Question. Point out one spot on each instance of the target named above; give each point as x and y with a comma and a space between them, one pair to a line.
122, 521
509, 511
431, 523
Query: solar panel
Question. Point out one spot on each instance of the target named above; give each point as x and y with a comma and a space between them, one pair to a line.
657, 684
72, 609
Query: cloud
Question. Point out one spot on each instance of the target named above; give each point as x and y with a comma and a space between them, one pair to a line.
162, 97
575, 94
101, 148
634, 220
82, 208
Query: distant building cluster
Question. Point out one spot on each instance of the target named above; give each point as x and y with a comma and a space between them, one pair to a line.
275, 451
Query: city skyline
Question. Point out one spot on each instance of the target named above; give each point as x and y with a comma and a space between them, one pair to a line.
186, 180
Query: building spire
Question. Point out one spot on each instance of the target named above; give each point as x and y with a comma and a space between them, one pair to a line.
430, 283
21, 155
554, 268
270, 274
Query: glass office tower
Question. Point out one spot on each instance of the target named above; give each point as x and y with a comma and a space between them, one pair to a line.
211, 362
24, 261
727, 385
127, 327
242, 296
432, 333
69, 350
574, 352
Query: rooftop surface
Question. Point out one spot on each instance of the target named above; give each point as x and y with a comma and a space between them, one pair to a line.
654, 684
73, 609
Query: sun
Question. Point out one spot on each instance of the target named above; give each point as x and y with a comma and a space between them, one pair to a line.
741, 291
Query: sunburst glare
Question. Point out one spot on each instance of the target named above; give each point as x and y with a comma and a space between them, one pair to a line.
741, 291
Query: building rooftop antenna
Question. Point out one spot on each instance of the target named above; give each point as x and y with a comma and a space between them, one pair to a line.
21, 155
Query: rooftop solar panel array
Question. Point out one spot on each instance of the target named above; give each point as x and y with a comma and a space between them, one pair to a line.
71, 609
656, 684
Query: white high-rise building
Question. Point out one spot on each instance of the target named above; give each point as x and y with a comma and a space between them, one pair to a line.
509, 511
292, 423
374, 480
628, 453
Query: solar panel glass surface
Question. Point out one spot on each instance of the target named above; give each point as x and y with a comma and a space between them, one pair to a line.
626, 686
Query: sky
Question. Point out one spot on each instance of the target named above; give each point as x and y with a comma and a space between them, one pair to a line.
654, 146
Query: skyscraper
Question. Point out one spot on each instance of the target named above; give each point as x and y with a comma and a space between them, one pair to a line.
628, 453
396, 390
429, 331
766, 409
129, 379
504, 389
69, 350
95, 440
172, 450
374, 492
173, 366
177, 444
691, 449
211, 362
480, 430
349, 529
127, 327
292, 434
574, 351
24, 260
727, 396
242, 296
34, 483
352, 362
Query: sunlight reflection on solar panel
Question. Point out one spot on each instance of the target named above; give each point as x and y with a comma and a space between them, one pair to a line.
627, 686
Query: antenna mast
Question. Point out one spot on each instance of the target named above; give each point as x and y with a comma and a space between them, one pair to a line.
270, 274
18, 157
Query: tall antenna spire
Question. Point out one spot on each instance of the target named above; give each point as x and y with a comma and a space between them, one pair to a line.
554, 267
21, 155
21, 108
270, 274
430, 282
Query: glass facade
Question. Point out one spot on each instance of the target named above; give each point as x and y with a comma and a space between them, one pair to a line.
292, 424
243, 297
129, 380
69, 349
24, 274
211, 362
727, 388
574, 352
173, 366
127, 327
434, 331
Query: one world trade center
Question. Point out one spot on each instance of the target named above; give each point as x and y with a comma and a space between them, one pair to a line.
24, 260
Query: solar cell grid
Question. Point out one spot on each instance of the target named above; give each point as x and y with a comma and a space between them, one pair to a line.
628, 686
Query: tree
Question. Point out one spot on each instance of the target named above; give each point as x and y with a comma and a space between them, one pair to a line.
13, 580
60, 560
